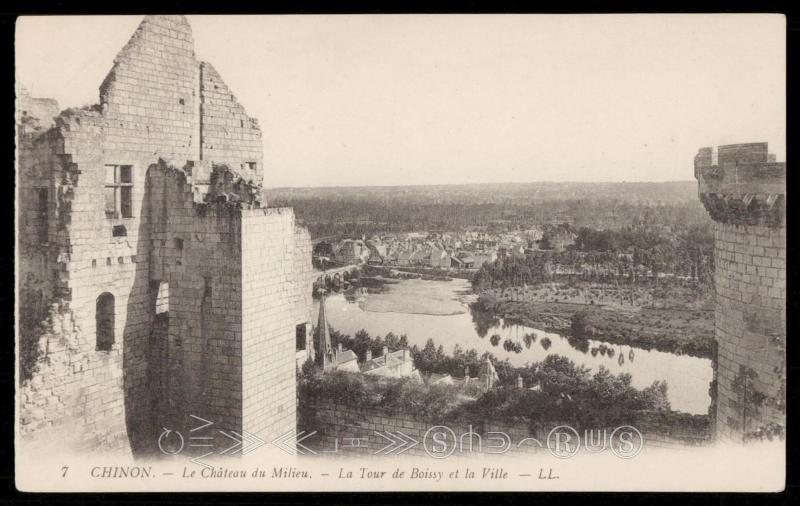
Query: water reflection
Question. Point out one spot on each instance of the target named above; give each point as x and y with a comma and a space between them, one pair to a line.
480, 329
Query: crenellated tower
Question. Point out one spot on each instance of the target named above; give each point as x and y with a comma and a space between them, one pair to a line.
743, 188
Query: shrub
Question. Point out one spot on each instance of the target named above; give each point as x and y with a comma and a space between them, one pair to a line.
581, 325
392, 395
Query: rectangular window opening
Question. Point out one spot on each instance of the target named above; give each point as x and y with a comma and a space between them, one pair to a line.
207, 289
162, 299
118, 191
300, 337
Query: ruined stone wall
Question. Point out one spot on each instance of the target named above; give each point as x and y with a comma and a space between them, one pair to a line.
228, 134
81, 264
275, 261
74, 397
238, 280
195, 366
36, 213
140, 118
83, 268
34, 111
744, 192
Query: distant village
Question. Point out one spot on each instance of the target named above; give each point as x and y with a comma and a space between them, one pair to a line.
458, 250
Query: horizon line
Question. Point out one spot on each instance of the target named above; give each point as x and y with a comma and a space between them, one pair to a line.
477, 184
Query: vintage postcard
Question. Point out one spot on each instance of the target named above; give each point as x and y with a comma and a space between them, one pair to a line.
401, 252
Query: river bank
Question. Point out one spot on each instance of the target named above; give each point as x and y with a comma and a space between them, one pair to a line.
686, 332
685, 327
423, 310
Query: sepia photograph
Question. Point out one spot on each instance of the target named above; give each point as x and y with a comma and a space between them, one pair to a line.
401, 252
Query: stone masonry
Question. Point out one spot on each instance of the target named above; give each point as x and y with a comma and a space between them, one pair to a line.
154, 282
744, 191
344, 430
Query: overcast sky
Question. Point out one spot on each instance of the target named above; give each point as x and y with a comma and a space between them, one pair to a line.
372, 100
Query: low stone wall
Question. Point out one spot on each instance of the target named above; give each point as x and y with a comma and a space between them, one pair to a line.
346, 430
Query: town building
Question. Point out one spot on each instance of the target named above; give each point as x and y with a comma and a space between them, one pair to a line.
352, 251
396, 364
345, 360
439, 258
485, 256
487, 377
377, 252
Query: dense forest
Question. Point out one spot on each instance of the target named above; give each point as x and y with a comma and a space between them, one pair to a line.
356, 211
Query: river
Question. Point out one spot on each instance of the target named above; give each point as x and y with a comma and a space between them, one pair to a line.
439, 310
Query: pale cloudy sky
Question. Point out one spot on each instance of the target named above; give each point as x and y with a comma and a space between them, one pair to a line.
387, 100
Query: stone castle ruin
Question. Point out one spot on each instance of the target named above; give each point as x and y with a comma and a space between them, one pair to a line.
154, 281
743, 188
155, 284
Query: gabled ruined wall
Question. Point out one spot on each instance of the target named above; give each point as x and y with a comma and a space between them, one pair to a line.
151, 93
228, 134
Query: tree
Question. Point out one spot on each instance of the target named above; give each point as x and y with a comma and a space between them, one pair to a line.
581, 326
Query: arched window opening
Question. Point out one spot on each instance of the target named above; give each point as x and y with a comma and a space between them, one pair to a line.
104, 318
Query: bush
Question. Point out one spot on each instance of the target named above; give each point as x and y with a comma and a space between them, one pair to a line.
392, 395
581, 326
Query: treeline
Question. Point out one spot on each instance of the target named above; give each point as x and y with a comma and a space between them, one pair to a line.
353, 216
433, 359
629, 252
575, 394
564, 391
687, 251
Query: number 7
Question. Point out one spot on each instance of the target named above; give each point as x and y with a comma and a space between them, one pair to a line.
64, 471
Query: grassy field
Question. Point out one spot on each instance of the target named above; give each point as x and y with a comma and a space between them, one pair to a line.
609, 296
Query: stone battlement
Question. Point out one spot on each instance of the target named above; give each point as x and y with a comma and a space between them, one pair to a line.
742, 184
